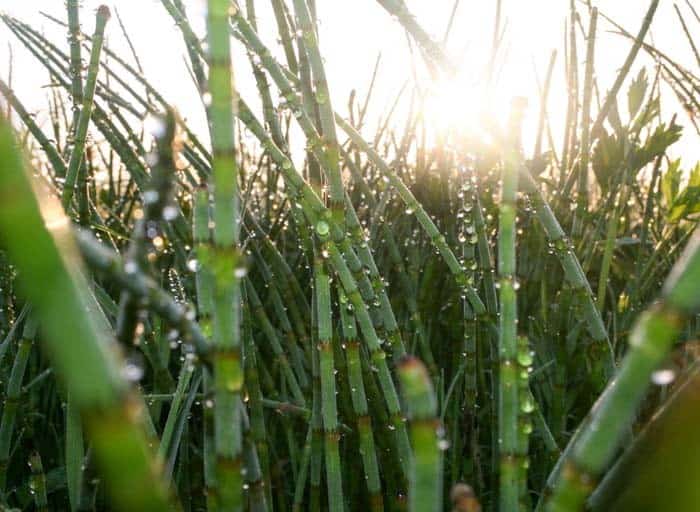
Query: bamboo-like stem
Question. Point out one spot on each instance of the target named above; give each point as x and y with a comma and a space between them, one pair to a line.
411, 203
425, 479
156, 198
224, 263
624, 70
650, 341
258, 311
508, 405
325, 109
638, 479
310, 201
101, 259
359, 403
584, 150
414, 206
37, 482
283, 29
329, 408
46, 145
76, 64
601, 350
527, 405
469, 238
258, 431
76, 157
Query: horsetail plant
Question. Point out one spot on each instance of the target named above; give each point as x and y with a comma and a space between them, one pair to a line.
88, 94
508, 393
650, 341
76, 64
224, 262
425, 481
327, 370
109, 413
272, 287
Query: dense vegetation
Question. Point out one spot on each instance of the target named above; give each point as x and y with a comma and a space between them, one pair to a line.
291, 313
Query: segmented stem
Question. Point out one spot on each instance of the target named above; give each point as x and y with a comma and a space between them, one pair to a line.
76, 156
508, 404
224, 261
649, 343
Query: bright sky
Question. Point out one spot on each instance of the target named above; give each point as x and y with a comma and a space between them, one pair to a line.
353, 33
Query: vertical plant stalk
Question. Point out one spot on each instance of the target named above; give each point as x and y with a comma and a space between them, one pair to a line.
37, 482
469, 238
624, 70
325, 109
76, 157
75, 454
567, 154
527, 406
76, 65
582, 195
359, 403
224, 261
156, 197
52, 281
507, 337
51, 152
413, 206
650, 341
12, 396
425, 477
601, 352
258, 431
329, 408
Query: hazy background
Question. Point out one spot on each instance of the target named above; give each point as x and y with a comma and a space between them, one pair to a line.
353, 33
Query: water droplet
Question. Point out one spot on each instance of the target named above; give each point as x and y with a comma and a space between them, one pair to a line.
527, 405
322, 228
150, 196
524, 358
155, 125
663, 377
169, 213
132, 371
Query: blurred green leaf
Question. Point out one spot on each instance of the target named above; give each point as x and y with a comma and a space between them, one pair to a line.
636, 93
607, 158
656, 145
671, 181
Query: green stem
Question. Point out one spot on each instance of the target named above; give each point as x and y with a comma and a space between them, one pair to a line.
223, 261
508, 406
76, 157
52, 281
650, 341
425, 477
